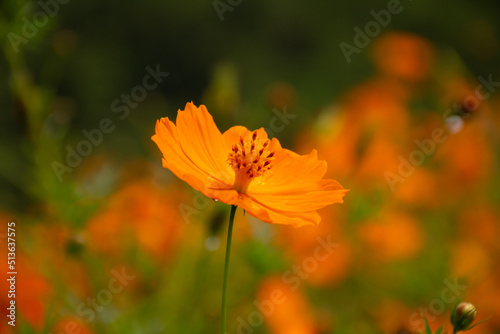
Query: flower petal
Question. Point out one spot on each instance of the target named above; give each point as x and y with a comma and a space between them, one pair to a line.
203, 143
290, 172
303, 197
232, 135
295, 184
271, 215
176, 160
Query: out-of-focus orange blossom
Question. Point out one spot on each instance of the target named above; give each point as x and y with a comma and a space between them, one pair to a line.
332, 136
371, 166
465, 156
33, 296
421, 190
292, 314
470, 260
394, 236
404, 55
281, 94
71, 324
486, 293
482, 223
139, 212
32, 290
390, 315
328, 266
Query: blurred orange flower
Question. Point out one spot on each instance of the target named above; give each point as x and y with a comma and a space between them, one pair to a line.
404, 55
32, 294
421, 189
471, 260
137, 215
72, 324
235, 168
390, 315
455, 154
288, 311
306, 247
396, 236
32, 299
482, 224
486, 293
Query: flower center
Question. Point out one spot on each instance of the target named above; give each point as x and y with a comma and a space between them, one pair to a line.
249, 158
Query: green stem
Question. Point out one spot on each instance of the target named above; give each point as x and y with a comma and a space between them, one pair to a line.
226, 267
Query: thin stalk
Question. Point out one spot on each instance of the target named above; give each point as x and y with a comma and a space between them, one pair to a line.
226, 267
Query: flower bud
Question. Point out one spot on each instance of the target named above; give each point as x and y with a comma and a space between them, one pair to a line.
464, 316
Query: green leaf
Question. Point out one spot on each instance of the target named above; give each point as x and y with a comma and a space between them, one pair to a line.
427, 328
454, 311
479, 323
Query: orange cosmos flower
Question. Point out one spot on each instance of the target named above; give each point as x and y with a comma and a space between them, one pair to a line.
246, 169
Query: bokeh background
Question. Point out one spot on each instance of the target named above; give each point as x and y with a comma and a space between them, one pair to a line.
109, 242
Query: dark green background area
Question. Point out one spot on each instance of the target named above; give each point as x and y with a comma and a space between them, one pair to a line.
264, 42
